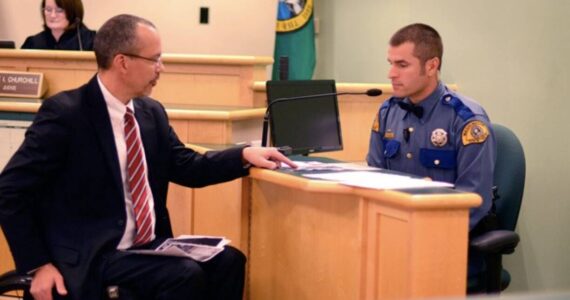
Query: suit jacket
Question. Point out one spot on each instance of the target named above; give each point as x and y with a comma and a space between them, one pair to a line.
61, 196
68, 41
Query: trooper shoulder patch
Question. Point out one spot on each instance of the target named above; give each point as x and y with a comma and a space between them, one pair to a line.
475, 132
376, 124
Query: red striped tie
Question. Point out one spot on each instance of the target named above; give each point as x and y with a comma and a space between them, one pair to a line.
137, 181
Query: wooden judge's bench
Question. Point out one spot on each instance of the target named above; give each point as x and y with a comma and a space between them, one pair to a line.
304, 239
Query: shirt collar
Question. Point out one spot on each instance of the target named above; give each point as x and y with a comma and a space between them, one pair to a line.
114, 104
430, 102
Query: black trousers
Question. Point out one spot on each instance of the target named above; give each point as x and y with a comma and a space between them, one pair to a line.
164, 277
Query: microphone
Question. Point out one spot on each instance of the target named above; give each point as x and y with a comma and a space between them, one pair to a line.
373, 92
370, 93
77, 27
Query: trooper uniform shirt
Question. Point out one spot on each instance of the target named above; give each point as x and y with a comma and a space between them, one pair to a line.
446, 137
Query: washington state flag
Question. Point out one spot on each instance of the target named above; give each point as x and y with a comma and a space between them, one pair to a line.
295, 38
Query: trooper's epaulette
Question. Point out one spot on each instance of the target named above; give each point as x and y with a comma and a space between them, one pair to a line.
387, 103
460, 108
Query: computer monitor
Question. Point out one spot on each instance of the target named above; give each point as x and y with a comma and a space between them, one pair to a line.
7, 44
306, 125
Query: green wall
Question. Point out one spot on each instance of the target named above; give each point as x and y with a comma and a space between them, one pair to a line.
510, 55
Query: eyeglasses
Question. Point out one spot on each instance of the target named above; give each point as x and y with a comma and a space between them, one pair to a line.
157, 61
50, 10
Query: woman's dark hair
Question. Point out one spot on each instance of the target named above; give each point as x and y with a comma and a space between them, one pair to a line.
73, 12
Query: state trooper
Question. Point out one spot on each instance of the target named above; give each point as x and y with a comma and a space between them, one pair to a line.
428, 130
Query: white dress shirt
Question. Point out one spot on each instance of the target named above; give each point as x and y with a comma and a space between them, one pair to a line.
117, 111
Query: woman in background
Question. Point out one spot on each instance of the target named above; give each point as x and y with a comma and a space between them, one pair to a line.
63, 27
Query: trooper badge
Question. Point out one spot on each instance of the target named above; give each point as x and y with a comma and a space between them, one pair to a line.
439, 137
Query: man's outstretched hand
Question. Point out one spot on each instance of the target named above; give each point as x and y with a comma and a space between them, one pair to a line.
266, 157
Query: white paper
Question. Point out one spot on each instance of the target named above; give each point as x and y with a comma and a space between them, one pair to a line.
377, 180
197, 247
320, 166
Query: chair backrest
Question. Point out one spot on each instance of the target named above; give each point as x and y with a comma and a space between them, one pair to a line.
509, 176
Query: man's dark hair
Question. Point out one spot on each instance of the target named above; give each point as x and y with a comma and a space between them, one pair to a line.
73, 12
426, 40
117, 35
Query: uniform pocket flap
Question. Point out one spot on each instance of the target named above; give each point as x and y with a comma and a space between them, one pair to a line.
442, 159
391, 148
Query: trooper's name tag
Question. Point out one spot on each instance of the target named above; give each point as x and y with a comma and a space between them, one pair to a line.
22, 84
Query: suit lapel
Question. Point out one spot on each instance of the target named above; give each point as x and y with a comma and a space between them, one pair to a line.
147, 127
99, 116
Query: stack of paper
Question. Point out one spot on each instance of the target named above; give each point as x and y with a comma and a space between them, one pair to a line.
378, 180
198, 247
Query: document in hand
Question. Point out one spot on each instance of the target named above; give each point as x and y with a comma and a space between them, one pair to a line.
198, 247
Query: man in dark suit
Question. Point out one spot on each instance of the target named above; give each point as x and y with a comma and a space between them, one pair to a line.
69, 202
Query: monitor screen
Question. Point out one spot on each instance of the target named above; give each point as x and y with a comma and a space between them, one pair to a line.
306, 125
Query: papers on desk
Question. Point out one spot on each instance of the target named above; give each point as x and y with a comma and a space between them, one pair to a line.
377, 180
198, 247
319, 166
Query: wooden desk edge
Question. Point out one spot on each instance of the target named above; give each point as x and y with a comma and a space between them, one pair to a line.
393, 197
259, 86
232, 115
166, 57
21, 107
173, 113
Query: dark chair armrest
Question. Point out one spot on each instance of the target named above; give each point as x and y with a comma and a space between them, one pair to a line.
495, 241
11, 281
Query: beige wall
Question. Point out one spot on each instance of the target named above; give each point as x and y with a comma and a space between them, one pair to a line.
510, 55
244, 27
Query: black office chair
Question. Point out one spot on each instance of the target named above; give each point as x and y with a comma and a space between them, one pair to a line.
14, 284
509, 180
17, 285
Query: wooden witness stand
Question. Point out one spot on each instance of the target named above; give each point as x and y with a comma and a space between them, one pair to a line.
304, 239
329, 241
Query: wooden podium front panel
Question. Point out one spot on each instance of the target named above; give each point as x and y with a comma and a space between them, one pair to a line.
387, 254
414, 254
220, 210
203, 131
189, 79
63, 70
215, 210
214, 84
303, 245
69, 77
320, 240
180, 204
199, 89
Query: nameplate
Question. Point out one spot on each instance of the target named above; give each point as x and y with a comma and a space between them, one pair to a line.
22, 84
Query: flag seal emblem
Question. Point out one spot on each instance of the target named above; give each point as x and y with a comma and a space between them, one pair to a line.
293, 14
